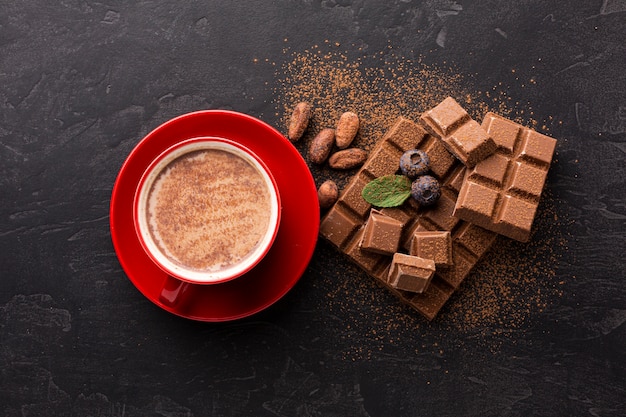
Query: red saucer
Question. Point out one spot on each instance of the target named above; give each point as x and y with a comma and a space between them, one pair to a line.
293, 248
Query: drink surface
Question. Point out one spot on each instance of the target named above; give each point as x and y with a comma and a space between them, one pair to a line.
208, 210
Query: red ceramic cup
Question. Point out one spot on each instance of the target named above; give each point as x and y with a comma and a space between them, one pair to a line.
206, 211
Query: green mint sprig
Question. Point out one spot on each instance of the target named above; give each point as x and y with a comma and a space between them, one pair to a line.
387, 191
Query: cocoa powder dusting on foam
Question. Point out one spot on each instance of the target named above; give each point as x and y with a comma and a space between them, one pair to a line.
511, 283
208, 210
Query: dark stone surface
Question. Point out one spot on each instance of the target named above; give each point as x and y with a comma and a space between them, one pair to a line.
81, 82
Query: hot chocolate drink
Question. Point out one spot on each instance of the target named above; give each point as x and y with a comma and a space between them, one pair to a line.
208, 209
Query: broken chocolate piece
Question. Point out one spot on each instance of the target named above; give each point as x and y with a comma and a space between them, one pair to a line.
344, 223
461, 135
410, 273
381, 234
502, 192
433, 245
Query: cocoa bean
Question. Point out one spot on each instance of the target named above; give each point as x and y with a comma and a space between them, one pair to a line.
347, 127
347, 158
327, 194
299, 121
321, 146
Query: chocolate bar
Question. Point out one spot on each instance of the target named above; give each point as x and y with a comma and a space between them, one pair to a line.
502, 192
461, 135
344, 224
410, 273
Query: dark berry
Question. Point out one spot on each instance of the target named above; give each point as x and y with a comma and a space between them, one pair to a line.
425, 190
414, 163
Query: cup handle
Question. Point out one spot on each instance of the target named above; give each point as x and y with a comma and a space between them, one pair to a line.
174, 291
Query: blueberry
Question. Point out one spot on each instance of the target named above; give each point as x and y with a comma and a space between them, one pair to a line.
414, 162
425, 190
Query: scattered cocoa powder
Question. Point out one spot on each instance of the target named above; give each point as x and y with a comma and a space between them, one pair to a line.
513, 282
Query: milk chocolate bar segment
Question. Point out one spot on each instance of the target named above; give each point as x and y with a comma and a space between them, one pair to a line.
340, 225
410, 273
474, 239
369, 261
469, 242
462, 135
351, 210
381, 234
502, 192
344, 224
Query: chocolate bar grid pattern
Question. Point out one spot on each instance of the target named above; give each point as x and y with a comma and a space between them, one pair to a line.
502, 192
343, 225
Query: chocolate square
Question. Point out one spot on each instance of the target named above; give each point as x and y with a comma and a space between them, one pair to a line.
435, 245
445, 118
522, 160
527, 179
340, 226
382, 234
351, 196
410, 273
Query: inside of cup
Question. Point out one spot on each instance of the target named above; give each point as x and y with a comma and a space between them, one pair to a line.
222, 215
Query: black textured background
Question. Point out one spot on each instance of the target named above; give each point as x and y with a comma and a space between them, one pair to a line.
81, 82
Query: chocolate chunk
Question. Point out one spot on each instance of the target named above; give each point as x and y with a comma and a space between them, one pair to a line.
502, 192
344, 224
410, 273
433, 245
381, 234
461, 135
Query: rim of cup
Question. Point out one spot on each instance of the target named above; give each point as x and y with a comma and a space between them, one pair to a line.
141, 201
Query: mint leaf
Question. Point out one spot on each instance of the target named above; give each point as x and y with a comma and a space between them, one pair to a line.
387, 191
